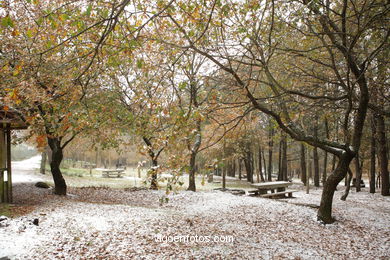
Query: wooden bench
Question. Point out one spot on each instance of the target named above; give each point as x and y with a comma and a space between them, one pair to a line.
112, 173
280, 194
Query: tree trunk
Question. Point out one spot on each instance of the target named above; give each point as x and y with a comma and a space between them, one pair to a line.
324, 172
57, 156
358, 170
337, 138
248, 167
284, 158
270, 148
192, 185
315, 157
239, 169
325, 211
303, 164
264, 165
372, 156
260, 165
382, 155
348, 186
233, 168
316, 167
43, 162
280, 170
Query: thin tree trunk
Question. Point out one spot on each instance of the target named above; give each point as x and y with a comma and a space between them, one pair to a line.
315, 157
260, 165
248, 166
43, 162
348, 187
372, 156
233, 168
239, 169
303, 164
382, 155
270, 148
358, 170
280, 170
337, 138
265, 165
284, 158
325, 168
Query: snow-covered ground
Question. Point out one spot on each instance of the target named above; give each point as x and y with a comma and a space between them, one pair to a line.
101, 223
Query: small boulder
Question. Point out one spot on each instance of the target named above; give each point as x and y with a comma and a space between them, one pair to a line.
41, 184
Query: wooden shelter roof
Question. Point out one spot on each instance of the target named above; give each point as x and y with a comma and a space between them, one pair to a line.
11, 118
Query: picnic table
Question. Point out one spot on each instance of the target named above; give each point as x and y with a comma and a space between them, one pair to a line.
112, 172
272, 189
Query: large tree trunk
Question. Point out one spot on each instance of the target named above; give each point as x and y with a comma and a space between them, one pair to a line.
325, 211
382, 155
303, 164
372, 156
57, 156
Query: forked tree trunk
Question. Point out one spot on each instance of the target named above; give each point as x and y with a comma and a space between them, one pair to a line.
325, 211
57, 156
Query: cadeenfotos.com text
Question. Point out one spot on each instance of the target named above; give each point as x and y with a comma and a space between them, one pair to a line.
193, 239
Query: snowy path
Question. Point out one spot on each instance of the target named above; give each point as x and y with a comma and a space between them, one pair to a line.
23, 171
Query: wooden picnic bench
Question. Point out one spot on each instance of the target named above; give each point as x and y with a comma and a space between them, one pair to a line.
275, 189
112, 172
